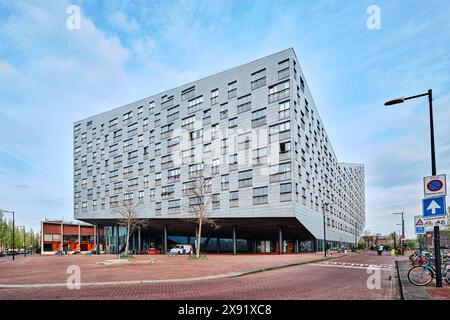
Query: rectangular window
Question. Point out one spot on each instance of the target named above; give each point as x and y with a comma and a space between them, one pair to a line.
174, 206
127, 116
284, 110
166, 102
244, 103
167, 190
260, 195
173, 114
173, 174
232, 89
216, 201
214, 97
259, 117
258, 79
232, 123
234, 199
283, 69
260, 156
279, 91
188, 93
195, 104
245, 178
151, 107
225, 182
188, 123
224, 110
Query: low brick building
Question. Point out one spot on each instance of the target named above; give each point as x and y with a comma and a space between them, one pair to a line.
70, 237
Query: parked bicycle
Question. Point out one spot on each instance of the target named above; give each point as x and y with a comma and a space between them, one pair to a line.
424, 274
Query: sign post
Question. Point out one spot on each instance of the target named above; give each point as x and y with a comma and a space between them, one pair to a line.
434, 209
419, 225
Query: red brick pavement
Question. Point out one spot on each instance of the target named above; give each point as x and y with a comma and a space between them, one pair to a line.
52, 269
440, 293
301, 282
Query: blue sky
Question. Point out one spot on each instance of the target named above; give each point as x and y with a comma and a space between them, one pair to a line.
127, 50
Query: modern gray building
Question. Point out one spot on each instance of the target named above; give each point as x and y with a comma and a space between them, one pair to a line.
253, 132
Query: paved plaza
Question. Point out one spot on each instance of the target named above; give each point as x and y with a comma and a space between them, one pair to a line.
343, 277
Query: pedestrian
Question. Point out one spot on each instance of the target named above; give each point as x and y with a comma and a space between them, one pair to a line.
393, 252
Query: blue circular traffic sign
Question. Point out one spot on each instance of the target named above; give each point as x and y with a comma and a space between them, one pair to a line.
435, 185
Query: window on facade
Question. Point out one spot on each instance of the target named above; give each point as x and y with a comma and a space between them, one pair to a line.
224, 111
232, 89
244, 103
225, 182
279, 91
173, 114
188, 93
260, 156
195, 104
234, 198
285, 192
167, 190
173, 174
260, 195
245, 178
188, 123
280, 172
283, 69
216, 201
215, 166
259, 117
166, 101
127, 116
258, 79
151, 107
285, 146
214, 97
232, 123
284, 110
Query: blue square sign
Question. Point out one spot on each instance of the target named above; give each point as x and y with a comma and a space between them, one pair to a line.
434, 207
420, 230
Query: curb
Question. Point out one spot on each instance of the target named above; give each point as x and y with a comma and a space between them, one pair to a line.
130, 282
408, 290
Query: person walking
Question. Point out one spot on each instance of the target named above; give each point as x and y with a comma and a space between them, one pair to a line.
393, 254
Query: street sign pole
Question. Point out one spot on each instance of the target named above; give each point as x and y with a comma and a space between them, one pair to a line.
437, 241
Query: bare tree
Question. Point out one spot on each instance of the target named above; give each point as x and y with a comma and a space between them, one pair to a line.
129, 219
200, 197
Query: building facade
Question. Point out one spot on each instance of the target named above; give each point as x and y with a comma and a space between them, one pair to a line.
69, 237
253, 132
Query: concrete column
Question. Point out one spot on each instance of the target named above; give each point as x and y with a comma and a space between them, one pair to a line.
139, 240
280, 240
234, 241
97, 239
218, 244
79, 236
117, 239
165, 238
255, 247
296, 246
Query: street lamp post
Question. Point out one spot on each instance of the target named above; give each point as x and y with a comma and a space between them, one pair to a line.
23, 244
403, 231
437, 240
13, 233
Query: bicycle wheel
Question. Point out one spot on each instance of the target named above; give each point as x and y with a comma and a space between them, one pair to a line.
420, 276
446, 275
